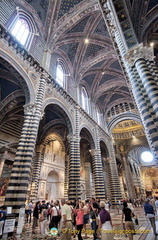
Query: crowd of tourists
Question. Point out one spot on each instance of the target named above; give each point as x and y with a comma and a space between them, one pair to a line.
70, 219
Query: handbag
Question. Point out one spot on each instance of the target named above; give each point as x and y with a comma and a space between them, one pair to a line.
136, 221
41, 219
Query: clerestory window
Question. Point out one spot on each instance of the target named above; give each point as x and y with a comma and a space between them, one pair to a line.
84, 99
22, 26
60, 75
21, 31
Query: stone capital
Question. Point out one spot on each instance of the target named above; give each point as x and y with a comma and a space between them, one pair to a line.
139, 52
46, 77
73, 137
94, 152
29, 108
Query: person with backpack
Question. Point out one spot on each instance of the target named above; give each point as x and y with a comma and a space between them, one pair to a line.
55, 216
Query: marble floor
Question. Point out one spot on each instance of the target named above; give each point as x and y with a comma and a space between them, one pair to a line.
144, 225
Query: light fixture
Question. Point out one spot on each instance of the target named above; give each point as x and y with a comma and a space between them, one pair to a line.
86, 41
152, 44
147, 156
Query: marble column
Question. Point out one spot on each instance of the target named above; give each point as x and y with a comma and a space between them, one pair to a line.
98, 174
115, 189
129, 178
36, 172
20, 175
74, 168
87, 180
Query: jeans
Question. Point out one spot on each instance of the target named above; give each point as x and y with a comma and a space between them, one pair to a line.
79, 228
94, 227
152, 221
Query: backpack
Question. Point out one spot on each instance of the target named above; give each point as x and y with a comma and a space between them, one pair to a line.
59, 214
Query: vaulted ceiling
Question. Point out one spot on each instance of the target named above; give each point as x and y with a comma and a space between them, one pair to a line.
66, 23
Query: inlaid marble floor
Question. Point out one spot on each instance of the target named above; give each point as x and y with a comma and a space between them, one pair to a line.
116, 219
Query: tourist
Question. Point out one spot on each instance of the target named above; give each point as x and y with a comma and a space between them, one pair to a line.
79, 219
26, 212
2, 219
86, 216
105, 223
55, 216
30, 210
156, 205
43, 221
35, 216
128, 214
66, 221
93, 217
149, 211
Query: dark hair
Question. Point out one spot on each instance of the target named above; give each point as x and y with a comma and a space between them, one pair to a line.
37, 203
125, 204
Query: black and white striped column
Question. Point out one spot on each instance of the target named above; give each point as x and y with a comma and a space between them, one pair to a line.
115, 189
20, 175
147, 113
98, 174
129, 179
74, 190
148, 81
98, 169
36, 172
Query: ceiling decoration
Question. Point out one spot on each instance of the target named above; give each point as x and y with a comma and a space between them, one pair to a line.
70, 50
67, 5
106, 77
92, 49
69, 22
80, 26
101, 29
152, 4
41, 7
89, 79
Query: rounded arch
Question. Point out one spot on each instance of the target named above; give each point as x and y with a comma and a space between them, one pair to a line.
52, 186
122, 117
21, 74
64, 111
53, 176
104, 149
53, 137
87, 135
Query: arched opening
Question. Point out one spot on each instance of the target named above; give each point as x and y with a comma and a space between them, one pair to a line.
54, 153
52, 186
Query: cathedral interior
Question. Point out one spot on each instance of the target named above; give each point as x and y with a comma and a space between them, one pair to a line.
78, 100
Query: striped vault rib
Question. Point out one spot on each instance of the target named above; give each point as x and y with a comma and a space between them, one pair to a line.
19, 180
